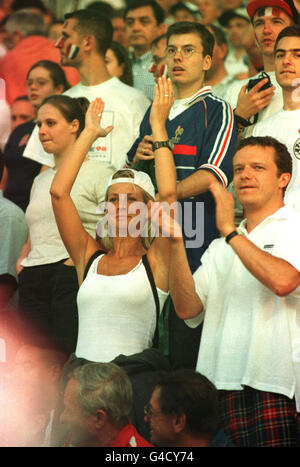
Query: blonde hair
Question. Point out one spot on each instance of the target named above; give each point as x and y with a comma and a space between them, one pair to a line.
107, 241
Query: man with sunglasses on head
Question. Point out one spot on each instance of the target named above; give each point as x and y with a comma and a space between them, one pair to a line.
202, 138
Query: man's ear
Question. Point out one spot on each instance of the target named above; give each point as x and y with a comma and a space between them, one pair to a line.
284, 179
179, 422
101, 418
89, 42
207, 62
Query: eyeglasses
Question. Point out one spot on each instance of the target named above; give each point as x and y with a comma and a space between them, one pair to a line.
149, 412
186, 51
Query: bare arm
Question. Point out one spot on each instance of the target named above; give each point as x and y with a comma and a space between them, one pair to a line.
195, 184
275, 273
77, 241
165, 174
181, 282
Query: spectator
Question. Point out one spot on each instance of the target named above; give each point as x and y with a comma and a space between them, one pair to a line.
144, 22
236, 23
34, 380
13, 234
210, 11
267, 24
98, 403
284, 125
118, 63
22, 111
253, 266
27, 31
158, 49
184, 11
118, 23
44, 79
55, 31
125, 105
196, 127
48, 283
94, 267
184, 412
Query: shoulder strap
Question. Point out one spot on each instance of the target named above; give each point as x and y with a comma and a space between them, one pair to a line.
88, 265
155, 295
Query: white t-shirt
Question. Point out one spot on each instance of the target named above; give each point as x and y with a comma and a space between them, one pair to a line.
275, 105
234, 65
284, 126
124, 109
117, 314
88, 191
250, 335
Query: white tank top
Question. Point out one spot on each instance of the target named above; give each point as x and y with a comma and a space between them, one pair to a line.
117, 314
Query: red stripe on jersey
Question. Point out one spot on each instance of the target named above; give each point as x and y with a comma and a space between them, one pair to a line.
185, 149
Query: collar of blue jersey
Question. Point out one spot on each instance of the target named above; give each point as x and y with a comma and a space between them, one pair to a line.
201, 94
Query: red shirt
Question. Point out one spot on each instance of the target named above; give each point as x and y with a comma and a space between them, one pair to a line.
130, 438
14, 66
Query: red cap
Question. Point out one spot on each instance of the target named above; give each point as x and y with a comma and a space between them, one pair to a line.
285, 5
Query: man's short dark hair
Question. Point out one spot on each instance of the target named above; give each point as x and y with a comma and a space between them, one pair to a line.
190, 393
289, 31
188, 27
93, 22
158, 11
282, 157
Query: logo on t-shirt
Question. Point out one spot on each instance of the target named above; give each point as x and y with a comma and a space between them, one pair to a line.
175, 139
296, 148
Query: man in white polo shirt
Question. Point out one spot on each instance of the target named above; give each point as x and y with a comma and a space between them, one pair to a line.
248, 287
85, 38
284, 125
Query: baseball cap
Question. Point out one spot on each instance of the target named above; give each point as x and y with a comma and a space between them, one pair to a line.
285, 5
230, 14
140, 179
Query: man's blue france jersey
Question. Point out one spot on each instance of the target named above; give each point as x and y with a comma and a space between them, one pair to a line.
204, 137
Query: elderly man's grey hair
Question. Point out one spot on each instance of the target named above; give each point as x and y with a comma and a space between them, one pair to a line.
104, 386
27, 23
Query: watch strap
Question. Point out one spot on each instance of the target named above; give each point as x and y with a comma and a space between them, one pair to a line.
232, 235
162, 144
